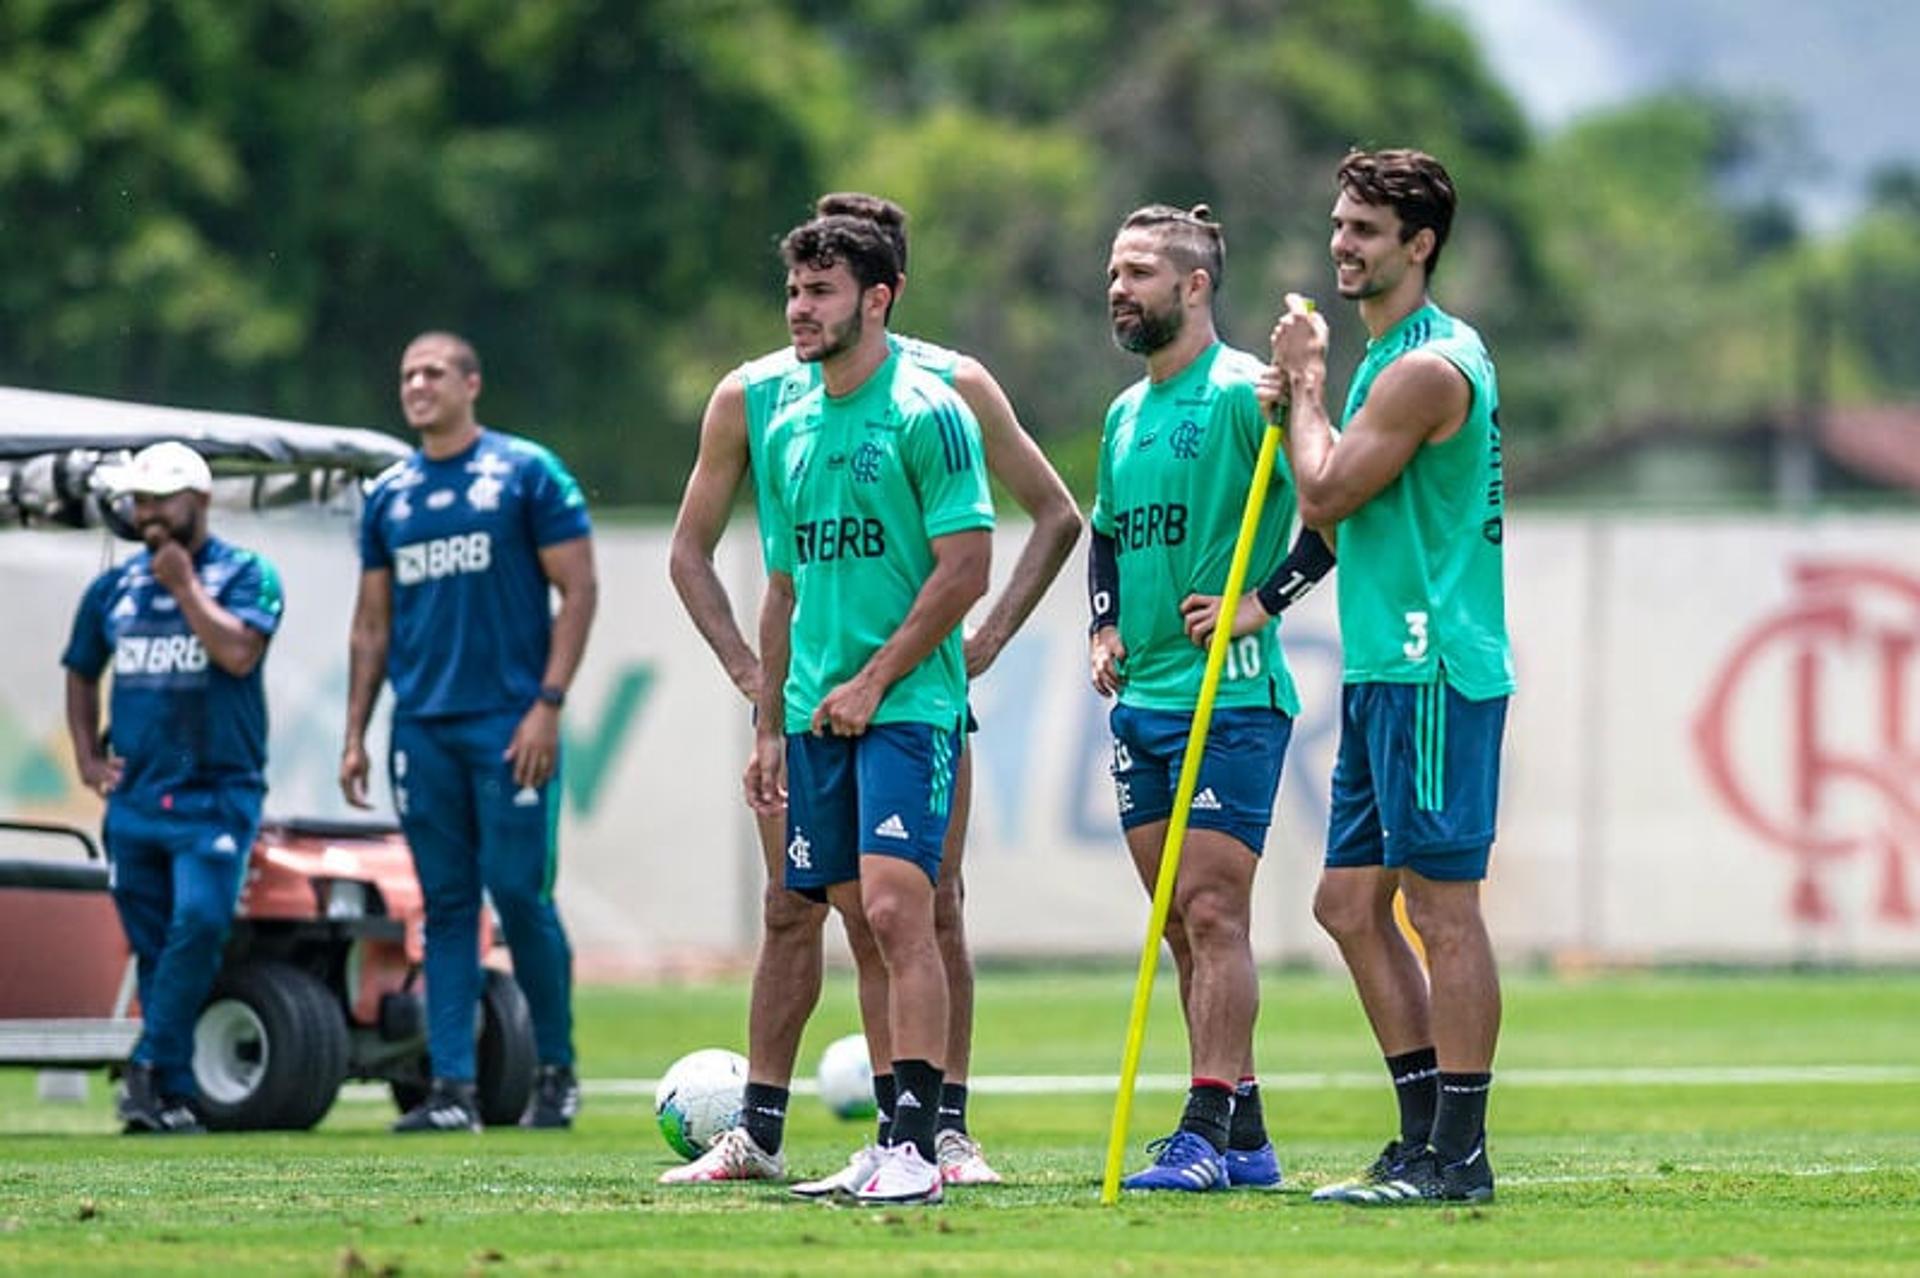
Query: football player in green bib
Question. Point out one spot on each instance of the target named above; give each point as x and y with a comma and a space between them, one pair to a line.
787, 973
1176, 456
880, 540
1413, 483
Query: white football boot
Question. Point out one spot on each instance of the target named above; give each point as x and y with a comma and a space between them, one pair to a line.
961, 1160
734, 1155
902, 1178
847, 1181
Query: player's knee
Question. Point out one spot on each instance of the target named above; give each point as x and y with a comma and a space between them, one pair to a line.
201, 924
790, 917
1444, 921
520, 908
452, 903
1213, 917
454, 921
886, 917
949, 919
1176, 933
1344, 915
896, 922
860, 940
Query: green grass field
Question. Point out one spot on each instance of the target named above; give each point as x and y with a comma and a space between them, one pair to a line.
1654, 1124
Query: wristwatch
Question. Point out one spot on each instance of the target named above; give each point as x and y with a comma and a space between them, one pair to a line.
555, 697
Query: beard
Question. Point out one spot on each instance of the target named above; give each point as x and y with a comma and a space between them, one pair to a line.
1370, 284
837, 338
155, 531
1143, 331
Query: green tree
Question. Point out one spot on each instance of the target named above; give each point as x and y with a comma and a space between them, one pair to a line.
1672, 288
1869, 282
255, 204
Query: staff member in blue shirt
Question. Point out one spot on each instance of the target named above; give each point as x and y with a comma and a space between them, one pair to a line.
461, 546
185, 624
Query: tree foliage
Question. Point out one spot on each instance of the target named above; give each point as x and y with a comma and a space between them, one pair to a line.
253, 203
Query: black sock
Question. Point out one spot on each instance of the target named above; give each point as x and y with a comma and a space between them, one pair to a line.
953, 1108
1416, 1086
1209, 1111
1460, 1122
763, 1112
916, 1104
1248, 1127
883, 1105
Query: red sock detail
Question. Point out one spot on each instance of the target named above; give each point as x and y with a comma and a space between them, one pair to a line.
1222, 1084
1247, 1078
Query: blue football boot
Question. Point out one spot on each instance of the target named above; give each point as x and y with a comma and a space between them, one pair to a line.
1253, 1168
1184, 1161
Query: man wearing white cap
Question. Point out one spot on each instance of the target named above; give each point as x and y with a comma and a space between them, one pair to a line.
185, 624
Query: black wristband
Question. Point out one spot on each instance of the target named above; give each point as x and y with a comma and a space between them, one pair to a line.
1308, 561
1103, 582
551, 695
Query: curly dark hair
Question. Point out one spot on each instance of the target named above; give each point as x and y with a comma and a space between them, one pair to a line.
857, 241
877, 209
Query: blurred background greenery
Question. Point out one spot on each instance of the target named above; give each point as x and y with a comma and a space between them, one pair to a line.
252, 204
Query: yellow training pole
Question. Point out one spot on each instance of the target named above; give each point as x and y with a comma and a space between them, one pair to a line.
1182, 796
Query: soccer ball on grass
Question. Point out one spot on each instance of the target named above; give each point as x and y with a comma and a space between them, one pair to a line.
846, 1077
699, 1097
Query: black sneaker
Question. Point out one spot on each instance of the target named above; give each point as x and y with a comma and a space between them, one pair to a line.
1382, 1169
1423, 1178
556, 1098
145, 1112
179, 1116
139, 1099
449, 1107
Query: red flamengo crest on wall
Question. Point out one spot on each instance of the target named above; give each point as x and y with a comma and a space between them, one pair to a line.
1848, 622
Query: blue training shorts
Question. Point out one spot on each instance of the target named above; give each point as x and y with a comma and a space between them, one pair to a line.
1239, 773
1416, 782
887, 792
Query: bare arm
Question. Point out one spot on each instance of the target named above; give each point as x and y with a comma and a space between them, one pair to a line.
766, 777
959, 578
1419, 397
231, 644
1017, 462
98, 769
568, 566
704, 508
776, 648
367, 641
534, 750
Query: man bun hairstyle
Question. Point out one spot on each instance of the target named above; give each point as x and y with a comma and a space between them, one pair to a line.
1412, 183
877, 209
825, 242
1191, 238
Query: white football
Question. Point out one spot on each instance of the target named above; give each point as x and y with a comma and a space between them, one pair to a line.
846, 1077
699, 1097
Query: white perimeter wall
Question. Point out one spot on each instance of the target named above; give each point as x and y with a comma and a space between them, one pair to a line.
1712, 753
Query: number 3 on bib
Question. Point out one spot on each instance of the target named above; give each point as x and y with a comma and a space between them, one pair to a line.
1416, 645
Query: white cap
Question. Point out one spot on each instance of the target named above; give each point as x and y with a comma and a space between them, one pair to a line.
161, 470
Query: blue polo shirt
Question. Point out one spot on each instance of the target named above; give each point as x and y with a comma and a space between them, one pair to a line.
462, 535
178, 720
